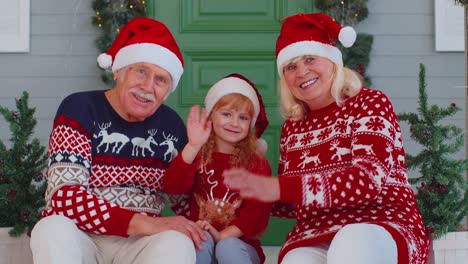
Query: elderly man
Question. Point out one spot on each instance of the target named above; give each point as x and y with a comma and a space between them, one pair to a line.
108, 151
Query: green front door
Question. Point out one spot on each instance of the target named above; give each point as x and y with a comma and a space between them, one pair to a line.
219, 37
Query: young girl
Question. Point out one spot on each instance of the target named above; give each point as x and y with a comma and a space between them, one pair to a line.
221, 137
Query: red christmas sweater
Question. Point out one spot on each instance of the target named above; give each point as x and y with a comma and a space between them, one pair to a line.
346, 164
209, 199
102, 169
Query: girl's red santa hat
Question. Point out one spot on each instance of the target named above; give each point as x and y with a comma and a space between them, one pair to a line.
239, 84
145, 40
312, 34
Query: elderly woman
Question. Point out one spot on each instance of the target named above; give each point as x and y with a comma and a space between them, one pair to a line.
342, 172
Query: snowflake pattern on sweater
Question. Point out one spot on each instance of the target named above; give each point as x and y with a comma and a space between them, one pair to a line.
102, 169
346, 164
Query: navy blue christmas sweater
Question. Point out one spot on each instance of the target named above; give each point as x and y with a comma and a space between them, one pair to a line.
103, 169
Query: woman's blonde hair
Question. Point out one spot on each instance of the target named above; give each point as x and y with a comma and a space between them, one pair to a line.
245, 149
347, 83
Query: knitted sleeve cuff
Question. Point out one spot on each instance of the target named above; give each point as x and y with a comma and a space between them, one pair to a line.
179, 177
184, 166
290, 189
119, 221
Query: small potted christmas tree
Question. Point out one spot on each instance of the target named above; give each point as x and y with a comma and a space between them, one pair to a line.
21, 182
441, 188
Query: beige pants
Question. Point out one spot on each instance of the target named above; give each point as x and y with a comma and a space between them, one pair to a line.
56, 239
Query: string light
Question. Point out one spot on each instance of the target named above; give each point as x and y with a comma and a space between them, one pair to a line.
343, 12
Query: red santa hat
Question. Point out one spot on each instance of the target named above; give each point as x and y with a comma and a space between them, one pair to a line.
312, 34
144, 40
239, 84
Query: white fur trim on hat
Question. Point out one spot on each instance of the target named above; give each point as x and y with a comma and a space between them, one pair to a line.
308, 47
150, 53
230, 85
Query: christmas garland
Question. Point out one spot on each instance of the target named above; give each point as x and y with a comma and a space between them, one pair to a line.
350, 13
462, 2
110, 17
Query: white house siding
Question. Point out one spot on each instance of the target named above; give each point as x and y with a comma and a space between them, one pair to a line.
404, 36
62, 59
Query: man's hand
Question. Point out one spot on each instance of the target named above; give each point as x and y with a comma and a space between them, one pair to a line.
145, 225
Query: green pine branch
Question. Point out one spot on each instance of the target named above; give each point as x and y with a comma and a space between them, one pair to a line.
350, 13
20, 200
345, 12
357, 56
110, 17
442, 194
462, 2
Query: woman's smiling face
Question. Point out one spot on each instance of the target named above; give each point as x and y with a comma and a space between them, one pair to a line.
310, 79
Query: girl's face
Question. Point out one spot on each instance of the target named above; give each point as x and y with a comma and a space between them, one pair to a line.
309, 79
231, 124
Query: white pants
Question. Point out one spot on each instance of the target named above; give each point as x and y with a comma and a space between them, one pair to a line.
353, 244
56, 239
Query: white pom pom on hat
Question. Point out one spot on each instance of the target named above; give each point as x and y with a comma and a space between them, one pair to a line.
312, 34
347, 36
262, 146
104, 60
